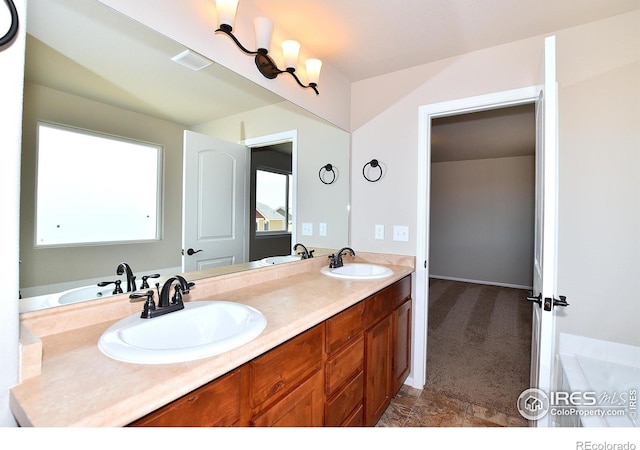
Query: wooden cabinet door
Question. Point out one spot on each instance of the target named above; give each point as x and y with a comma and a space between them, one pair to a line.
279, 370
377, 370
302, 407
401, 359
214, 404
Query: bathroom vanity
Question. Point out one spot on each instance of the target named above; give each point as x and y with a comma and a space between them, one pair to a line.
333, 353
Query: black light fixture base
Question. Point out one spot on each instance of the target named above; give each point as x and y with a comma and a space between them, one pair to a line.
266, 66
264, 63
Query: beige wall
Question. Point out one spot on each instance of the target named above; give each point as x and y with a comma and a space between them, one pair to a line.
319, 143
482, 220
55, 265
599, 243
599, 200
386, 128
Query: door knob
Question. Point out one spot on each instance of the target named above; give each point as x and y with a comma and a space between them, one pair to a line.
192, 251
536, 299
560, 302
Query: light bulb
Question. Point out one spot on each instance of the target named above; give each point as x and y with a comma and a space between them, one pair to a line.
290, 51
226, 12
263, 27
313, 70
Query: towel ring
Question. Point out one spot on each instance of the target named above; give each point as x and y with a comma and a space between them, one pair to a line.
13, 27
327, 168
373, 163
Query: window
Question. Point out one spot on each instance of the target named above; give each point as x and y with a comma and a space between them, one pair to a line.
273, 202
94, 188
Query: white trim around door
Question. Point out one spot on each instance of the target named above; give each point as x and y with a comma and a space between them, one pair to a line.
418, 376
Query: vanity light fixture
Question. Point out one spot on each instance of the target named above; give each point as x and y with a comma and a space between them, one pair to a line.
263, 28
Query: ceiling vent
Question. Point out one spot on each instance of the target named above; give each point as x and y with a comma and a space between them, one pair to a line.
192, 60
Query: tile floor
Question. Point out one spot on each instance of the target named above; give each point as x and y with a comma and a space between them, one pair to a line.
423, 408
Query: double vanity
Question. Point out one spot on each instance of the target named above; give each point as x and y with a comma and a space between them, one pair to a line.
316, 349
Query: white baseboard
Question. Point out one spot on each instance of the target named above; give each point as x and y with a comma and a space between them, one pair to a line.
490, 283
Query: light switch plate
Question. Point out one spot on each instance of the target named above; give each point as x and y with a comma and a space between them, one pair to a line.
307, 229
379, 232
323, 229
400, 233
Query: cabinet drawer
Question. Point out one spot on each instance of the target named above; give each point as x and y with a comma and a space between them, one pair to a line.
400, 291
344, 327
344, 364
356, 419
377, 307
214, 404
380, 305
302, 407
340, 407
282, 368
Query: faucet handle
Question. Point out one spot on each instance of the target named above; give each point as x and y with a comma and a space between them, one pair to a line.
177, 294
145, 283
116, 290
149, 304
336, 260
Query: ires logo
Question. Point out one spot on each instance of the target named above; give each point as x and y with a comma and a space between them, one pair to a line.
533, 404
560, 399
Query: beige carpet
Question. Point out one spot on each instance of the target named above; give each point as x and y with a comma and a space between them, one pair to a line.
479, 343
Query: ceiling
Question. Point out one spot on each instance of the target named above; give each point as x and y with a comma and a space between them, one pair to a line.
366, 38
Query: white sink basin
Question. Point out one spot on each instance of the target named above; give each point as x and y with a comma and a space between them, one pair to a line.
82, 293
271, 260
358, 271
200, 330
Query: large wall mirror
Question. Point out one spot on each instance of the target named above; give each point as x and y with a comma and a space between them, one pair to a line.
92, 68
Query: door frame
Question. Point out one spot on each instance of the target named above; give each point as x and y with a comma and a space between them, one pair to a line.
418, 376
273, 139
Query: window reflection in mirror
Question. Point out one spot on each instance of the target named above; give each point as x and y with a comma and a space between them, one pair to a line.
273, 202
94, 188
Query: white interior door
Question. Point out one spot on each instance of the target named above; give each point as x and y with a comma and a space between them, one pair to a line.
215, 202
545, 247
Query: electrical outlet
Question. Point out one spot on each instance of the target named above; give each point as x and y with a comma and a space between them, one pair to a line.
307, 229
323, 229
379, 232
400, 233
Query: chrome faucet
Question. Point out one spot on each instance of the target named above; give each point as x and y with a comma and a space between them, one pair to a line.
306, 254
336, 259
131, 279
